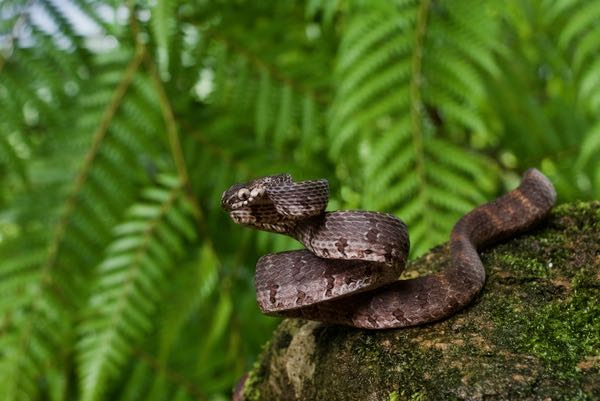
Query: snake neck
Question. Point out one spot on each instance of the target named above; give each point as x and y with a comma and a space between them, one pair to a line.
304, 230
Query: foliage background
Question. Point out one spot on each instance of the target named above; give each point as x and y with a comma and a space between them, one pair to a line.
121, 124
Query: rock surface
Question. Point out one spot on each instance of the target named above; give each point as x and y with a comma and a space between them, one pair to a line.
532, 334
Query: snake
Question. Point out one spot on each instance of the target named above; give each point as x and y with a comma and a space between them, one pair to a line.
349, 272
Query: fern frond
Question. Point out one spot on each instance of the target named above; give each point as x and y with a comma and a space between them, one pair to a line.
394, 64
99, 195
29, 337
142, 253
583, 18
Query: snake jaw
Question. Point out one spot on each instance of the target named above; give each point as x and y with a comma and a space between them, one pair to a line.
242, 216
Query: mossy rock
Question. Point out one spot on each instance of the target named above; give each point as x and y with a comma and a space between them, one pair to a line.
532, 334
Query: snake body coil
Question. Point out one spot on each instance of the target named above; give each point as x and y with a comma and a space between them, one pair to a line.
348, 273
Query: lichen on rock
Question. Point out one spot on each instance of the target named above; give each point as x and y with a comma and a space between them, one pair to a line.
532, 334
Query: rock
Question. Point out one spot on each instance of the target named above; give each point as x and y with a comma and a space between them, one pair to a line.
532, 334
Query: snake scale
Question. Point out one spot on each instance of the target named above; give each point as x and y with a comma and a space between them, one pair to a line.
348, 273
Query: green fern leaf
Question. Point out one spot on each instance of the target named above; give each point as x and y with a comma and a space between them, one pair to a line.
586, 16
387, 76
129, 284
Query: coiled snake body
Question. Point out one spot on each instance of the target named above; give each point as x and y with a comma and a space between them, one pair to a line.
348, 273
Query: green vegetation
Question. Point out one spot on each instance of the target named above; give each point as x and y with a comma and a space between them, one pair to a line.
122, 123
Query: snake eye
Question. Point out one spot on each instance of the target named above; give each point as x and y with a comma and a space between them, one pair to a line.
243, 194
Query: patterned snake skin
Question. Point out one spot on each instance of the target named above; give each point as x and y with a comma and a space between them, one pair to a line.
348, 273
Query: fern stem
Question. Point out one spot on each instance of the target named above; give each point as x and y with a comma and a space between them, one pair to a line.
170, 123
416, 102
175, 144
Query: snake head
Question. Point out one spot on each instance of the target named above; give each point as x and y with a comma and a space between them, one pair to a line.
244, 195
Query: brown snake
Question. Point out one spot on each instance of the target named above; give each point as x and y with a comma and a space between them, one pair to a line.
348, 273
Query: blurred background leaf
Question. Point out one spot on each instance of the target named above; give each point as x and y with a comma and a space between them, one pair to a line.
121, 125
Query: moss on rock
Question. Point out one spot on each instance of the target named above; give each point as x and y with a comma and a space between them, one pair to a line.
533, 333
